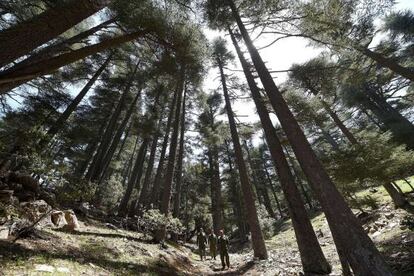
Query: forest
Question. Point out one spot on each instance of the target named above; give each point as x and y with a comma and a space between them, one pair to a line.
130, 127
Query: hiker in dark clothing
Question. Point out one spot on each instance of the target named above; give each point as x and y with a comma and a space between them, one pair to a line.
201, 242
212, 241
223, 247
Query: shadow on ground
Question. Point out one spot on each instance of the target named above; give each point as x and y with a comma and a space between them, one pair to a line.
109, 235
17, 253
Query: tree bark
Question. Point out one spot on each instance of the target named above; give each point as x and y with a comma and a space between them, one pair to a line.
363, 256
169, 175
24, 37
179, 171
51, 50
313, 259
259, 247
13, 79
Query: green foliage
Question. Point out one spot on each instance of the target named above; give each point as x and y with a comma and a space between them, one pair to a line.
267, 223
374, 161
401, 23
153, 219
77, 190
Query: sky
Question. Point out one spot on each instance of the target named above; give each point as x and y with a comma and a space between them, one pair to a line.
280, 56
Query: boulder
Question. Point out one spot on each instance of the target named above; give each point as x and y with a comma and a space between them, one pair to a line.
58, 218
35, 209
4, 232
72, 221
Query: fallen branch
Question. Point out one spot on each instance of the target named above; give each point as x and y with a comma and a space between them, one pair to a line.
30, 227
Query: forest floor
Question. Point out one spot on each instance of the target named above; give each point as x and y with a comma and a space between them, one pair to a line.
100, 249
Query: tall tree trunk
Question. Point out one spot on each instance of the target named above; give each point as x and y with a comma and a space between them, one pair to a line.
144, 195
236, 198
169, 174
259, 247
215, 187
179, 171
96, 167
51, 50
298, 176
313, 259
134, 178
21, 39
58, 125
124, 139
90, 149
155, 192
363, 256
106, 160
272, 188
13, 79
256, 184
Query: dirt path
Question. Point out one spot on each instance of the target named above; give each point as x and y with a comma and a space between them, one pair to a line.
237, 266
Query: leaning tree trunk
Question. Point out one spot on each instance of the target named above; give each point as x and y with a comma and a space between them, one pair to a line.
54, 49
169, 174
15, 78
363, 256
178, 179
22, 38
388, 63
259, 247
58, 125
399, 200
313, 259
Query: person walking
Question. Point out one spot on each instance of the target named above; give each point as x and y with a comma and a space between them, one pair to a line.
201, 242
223, 247
212, 241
